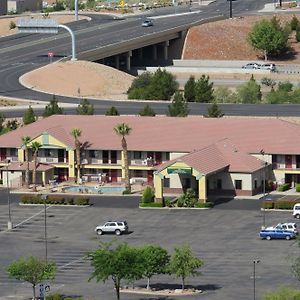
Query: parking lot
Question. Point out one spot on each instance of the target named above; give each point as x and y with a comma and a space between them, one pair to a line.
225, 238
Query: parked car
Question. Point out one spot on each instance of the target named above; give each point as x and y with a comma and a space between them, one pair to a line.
147, 23
251, 66
285, 226
116, 227
270, 67
296, 211
269, 234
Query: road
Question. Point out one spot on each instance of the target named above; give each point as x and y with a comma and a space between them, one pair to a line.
225, 237
24, 52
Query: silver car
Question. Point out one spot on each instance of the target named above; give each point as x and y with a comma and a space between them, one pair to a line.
252, 66
116, 227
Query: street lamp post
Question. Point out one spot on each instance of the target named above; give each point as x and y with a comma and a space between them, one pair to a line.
230, 9
9, 222
255, 261
44, 197
264, 189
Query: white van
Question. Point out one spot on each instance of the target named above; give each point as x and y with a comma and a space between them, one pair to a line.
296, 211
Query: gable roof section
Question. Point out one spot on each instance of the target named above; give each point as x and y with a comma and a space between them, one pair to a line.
163, 133
206, 160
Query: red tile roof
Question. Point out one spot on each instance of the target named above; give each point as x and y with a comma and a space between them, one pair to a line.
163, 133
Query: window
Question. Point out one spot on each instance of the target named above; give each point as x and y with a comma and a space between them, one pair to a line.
167, 155
50, 153
238, 184
105, 156
137, 155
138, 173
167, 182
13, 152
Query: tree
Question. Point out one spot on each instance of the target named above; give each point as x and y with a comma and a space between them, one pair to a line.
85, 108
214, 111
52, 108
155, 261
147, 111
268, 82
285, 86
250, 92
190, 90
222, 94
32, 270
184, 264
204, 90
35, 146
112, 112
119, 263
283, 293
25, 145
76, 134
2, 120
178, 107
268, 37
12, 124
29, 116
294, 23
162, 85
124, 130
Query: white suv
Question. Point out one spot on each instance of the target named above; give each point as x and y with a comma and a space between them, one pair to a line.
116, 227
296, 211
285, 226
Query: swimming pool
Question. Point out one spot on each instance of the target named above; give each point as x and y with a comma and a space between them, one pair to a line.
95, 190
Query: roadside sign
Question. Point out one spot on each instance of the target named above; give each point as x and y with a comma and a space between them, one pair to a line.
37, 26
50, 54
47, 288
42, 290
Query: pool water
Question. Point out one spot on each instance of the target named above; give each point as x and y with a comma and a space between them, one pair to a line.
96, 190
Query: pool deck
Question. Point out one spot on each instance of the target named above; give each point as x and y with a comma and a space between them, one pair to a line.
59, 189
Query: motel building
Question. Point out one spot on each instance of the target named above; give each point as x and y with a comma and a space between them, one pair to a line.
225, 156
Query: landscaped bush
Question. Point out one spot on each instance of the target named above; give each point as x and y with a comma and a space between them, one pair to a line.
204, 205
298, 35
55, 199
284, 204
180, 201
59, 200
12, 25
1, 181
268, 204
148, 195
126, 192
298, 187
81, 201
54, 297
283, 187
151, 204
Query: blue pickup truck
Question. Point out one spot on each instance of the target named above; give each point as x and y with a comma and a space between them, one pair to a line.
269, 234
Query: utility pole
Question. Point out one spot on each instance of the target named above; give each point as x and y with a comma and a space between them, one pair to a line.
230, 9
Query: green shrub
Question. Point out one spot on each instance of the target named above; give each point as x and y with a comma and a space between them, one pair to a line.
1, 181
284, 204
126, 192
54, 297
148, 195
190, 198
55, 200
283, 187
12, 25
81, 201
169, 203
298, 35
268, 204
151, 204
298, 187
180, 201
69, 201
294, 23
204, 205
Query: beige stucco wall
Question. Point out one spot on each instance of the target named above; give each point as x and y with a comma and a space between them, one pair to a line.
174, 155
246, 180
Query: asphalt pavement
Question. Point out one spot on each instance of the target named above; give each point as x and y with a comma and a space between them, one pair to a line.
226, 239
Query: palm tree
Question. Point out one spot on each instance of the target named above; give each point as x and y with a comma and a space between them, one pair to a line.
35, 148
76, 133
124, 130
25, 144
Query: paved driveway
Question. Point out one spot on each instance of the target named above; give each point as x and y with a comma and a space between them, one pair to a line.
226, 239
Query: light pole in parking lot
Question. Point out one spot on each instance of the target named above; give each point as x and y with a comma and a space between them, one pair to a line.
255, 262
262, 152
230, 9
44, 197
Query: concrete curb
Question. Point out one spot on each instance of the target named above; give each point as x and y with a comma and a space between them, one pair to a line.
176, 208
